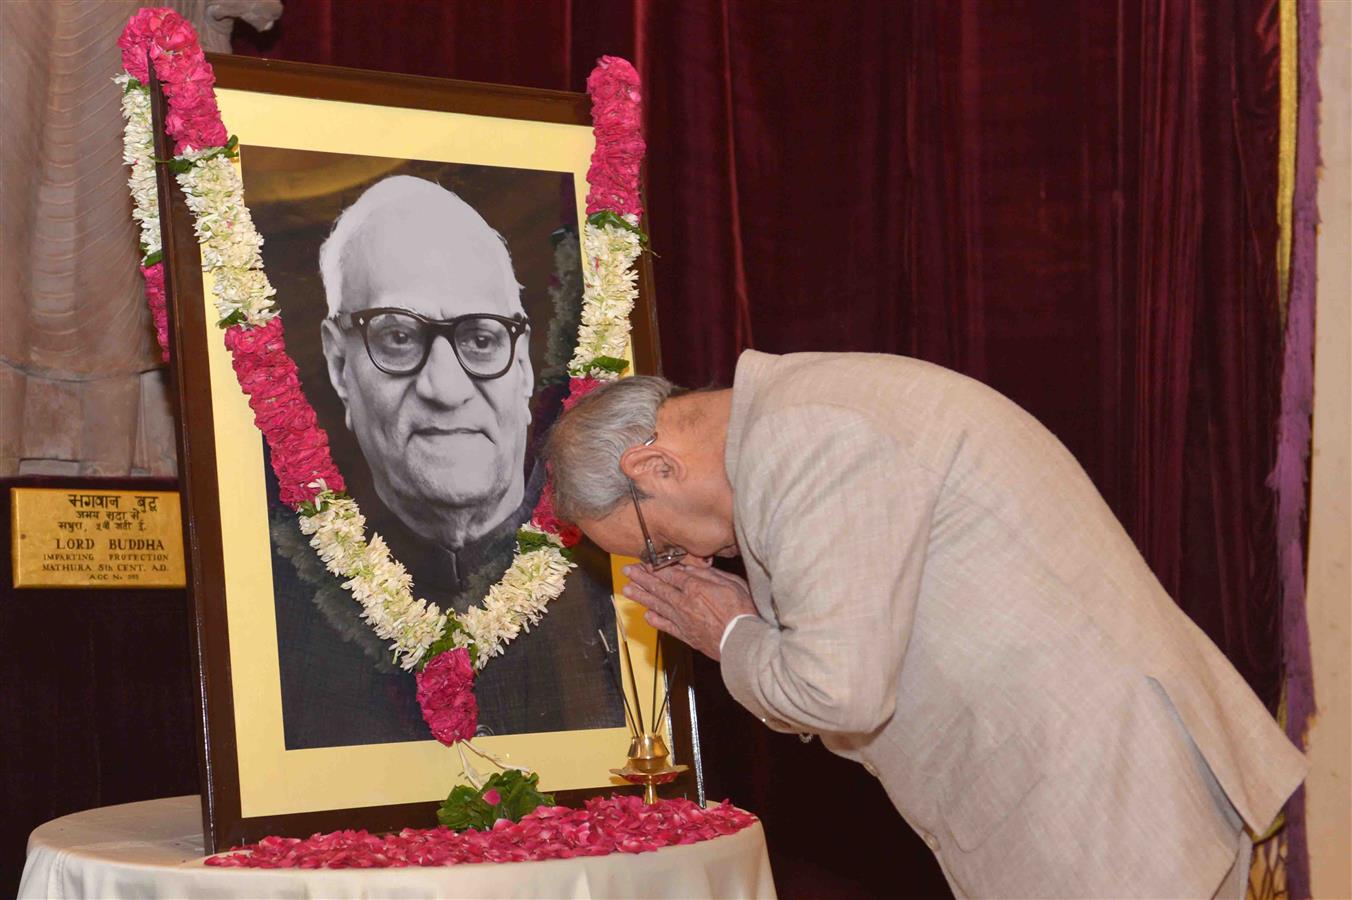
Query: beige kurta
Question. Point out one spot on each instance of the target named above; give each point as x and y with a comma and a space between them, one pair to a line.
945, 598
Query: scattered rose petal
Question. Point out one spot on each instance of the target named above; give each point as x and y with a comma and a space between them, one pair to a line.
616, 824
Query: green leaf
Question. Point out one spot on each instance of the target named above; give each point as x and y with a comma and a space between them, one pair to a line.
153, 258
444, 644
609, 364
614, 219
610, 217
519, 793
518, 796
235, 318
527, 541
465, 808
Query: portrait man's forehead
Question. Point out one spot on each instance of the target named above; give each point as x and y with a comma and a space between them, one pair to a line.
409, 242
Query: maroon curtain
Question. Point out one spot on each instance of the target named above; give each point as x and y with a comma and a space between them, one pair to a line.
1072, 200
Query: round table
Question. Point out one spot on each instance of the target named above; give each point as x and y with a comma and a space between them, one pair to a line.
154, 849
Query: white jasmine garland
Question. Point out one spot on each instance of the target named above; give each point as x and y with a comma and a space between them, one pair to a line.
332, 600
610, 288
230, 243
384, 589
138, 151
531, 528
378, 582
516, 602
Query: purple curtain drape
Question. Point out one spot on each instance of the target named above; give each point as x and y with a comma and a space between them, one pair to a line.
1070, 200
1290, 474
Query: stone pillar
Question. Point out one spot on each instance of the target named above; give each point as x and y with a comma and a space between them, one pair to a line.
82, 387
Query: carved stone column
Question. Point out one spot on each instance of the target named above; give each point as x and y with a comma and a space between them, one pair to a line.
82, 388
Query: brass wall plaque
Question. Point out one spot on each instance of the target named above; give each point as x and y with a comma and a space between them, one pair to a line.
83, 537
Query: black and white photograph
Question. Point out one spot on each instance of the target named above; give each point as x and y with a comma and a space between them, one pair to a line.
431, 309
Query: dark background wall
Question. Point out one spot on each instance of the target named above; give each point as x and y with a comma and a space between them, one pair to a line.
1071, 200
96, 695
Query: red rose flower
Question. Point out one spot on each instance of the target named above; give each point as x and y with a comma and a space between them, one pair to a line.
546, 519
446, 696
617, 117
300, 448
155, 299
579, 388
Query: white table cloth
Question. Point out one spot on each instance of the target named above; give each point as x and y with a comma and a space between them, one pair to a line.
154, 849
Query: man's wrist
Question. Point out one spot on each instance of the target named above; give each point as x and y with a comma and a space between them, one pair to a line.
727, 629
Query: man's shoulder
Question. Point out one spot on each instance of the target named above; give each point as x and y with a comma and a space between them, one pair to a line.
805, 400
888, 390
828, 373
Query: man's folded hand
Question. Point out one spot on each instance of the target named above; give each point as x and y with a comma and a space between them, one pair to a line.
690, 601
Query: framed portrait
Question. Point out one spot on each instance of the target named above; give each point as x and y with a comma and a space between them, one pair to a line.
388, 204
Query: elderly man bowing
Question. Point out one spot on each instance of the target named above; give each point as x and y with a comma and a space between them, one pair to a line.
937, 589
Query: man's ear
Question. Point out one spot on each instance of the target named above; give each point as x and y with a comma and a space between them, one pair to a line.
335, 355
645, 465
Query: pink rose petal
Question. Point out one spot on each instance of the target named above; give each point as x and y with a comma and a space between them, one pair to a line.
617, 824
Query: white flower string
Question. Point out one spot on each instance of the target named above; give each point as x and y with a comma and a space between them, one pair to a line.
375, 579
230, 243
138, 151
610, 288
518, 601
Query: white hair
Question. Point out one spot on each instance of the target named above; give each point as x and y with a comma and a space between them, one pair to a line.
585, 445
399, 189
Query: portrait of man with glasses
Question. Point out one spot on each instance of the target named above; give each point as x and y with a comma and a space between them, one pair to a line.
426, 327
422, 336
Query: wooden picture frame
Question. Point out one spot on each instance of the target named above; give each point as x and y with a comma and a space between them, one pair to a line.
209, 419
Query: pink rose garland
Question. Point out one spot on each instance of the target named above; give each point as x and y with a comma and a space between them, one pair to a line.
193, 119
446, 696
268, 375
579, 388
155, 298
617, 122
617, 119
620, 824
546, 519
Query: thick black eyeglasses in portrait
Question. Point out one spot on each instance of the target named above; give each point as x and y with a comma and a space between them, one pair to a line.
651, 556
399, 341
